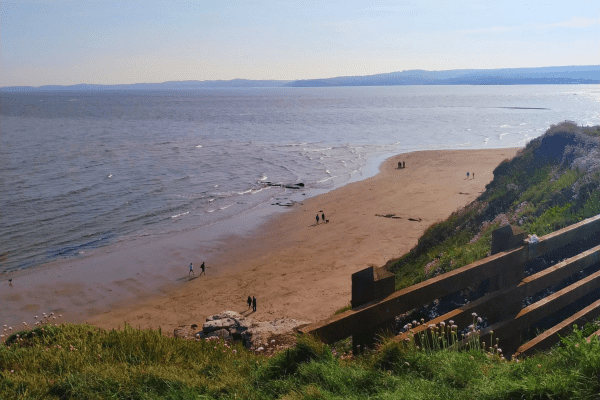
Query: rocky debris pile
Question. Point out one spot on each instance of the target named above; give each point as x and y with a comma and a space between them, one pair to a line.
261, 336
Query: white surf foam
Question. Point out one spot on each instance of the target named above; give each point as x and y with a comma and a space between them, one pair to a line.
179, 215
326, 179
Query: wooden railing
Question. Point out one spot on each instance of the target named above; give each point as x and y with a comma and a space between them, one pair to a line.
502, 307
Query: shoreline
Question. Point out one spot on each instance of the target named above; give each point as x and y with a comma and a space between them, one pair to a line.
113, 284
295, 268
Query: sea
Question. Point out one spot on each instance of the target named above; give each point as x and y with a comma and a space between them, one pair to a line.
84, 170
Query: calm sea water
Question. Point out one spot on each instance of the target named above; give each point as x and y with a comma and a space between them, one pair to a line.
82, 170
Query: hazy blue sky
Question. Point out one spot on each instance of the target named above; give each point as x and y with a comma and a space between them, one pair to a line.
88, 41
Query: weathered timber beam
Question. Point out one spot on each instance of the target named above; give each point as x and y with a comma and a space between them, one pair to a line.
488, 304
548, 338
423, 327
509, 328
554, 274
461, 316
563, 237
597, 333
343, 325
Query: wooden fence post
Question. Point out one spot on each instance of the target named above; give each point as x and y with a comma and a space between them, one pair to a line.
506, 238
369, 285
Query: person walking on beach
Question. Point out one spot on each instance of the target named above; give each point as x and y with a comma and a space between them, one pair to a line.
253, 303
467, 175
323, 217
403, 165
191, 270
202, 268
249, 301
473, 175
317, 219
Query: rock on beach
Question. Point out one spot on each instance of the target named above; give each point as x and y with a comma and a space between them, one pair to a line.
230, 325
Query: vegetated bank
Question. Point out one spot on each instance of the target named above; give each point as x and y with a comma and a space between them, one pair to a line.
551, 183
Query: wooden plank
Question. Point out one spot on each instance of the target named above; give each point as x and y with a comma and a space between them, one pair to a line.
556, 273
597, 333
341, 326
423, 327
491, 304
548, 338
548, 305
564, 236
461, 316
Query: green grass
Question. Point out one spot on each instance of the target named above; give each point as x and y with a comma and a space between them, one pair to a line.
538, 191
341, 310
136, 364
80, 361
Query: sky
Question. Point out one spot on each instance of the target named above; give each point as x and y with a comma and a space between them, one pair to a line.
65, 42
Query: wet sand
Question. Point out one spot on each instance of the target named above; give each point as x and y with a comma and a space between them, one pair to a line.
295, 267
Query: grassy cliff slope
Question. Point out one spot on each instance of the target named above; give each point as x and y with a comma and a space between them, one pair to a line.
551, 183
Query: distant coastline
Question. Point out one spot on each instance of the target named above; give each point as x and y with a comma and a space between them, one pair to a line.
567, 75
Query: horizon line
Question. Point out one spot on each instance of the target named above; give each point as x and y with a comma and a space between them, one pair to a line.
299, 80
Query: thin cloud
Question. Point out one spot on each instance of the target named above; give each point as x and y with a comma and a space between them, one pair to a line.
573, 23
492, 29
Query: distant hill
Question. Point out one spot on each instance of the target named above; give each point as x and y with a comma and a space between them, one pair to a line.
515, 76
171, 85
589, 74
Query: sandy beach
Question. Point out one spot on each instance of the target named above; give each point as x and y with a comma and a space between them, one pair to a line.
299, 269
295, 267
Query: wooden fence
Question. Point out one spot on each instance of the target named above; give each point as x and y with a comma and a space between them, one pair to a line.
502, 306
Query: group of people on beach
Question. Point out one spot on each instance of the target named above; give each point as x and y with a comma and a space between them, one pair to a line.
401, 164
473, 175
251, 302
202, 267
322, 217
